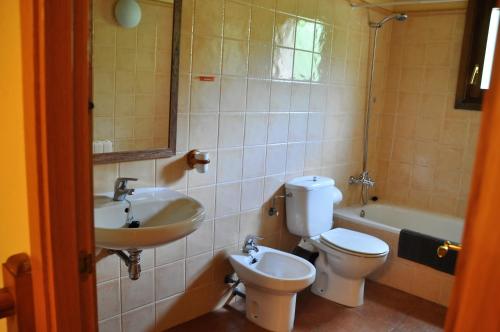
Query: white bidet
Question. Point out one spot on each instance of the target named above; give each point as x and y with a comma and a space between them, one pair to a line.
272, 279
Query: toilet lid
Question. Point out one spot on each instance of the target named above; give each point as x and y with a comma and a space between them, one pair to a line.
355, 241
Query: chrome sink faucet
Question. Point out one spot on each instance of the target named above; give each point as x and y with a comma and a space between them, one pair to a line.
121, 190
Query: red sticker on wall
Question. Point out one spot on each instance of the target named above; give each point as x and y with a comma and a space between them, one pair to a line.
207, 78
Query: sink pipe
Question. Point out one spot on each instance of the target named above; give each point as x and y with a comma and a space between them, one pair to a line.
132, 261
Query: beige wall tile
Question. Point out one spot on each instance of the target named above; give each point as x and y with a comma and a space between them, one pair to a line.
203, 130
208, 17
254, 161
226, 231
104, 177
136, 293
111, 324
277, 131
252, 192
236, 20
297, 127
235, 57
262, 24
256, 128
107, 268
230, 165
108, 299
228, 199
295, 157
206, 196
199, 270
201, 240
172, 172
258, 94
143, 170
170, 252
205, 96
207, 55
231, 129
276, 159
141, 319
280, 96
260, 59
233, 94
170, 279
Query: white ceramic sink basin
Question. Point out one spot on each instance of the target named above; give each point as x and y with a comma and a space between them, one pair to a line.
164, 215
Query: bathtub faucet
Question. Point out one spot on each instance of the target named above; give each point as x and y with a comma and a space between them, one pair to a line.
363, 179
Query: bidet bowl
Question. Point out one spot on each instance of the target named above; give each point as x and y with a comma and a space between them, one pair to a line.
274, 270
271, 284
164, 216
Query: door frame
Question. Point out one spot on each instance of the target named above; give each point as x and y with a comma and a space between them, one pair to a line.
59, 162
475, 299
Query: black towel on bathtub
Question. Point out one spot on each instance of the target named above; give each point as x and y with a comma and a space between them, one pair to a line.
422, 248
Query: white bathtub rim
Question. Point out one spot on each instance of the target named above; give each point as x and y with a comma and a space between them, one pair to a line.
351, 213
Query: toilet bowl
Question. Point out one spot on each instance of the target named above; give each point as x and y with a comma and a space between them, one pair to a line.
345, 257
272, 281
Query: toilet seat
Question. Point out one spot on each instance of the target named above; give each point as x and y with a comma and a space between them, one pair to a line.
354, 243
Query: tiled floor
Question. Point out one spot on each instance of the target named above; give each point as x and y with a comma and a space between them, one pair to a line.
385, 309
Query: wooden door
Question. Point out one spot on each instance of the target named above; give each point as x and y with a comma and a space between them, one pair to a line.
59, 162
475, 302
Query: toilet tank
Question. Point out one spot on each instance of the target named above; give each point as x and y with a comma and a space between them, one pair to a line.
309, 205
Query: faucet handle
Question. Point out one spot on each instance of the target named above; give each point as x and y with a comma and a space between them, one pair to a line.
252, 239
121, 182
250, 243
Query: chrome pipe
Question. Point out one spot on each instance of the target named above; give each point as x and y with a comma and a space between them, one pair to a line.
132, 261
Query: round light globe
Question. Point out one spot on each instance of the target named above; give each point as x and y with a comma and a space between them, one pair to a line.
128, 13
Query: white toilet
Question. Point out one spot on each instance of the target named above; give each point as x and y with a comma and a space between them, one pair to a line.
345, 257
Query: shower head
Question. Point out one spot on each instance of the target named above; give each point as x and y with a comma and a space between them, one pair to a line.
398, 17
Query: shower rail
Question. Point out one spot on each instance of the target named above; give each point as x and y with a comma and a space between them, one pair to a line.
398, 3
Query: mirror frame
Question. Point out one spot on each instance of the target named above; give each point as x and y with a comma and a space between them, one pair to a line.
169, 151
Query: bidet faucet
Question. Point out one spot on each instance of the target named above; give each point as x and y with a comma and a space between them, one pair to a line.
250, 244
121, 190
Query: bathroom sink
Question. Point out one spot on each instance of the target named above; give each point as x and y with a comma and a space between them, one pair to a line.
164, 216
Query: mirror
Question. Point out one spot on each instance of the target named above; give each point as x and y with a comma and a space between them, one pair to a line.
134, 70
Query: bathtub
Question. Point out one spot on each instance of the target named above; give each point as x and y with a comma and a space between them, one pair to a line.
385, 222
393, 219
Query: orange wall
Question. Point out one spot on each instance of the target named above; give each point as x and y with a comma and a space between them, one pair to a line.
13, 204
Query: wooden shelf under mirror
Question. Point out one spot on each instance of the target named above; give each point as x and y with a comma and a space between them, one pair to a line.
135, 79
